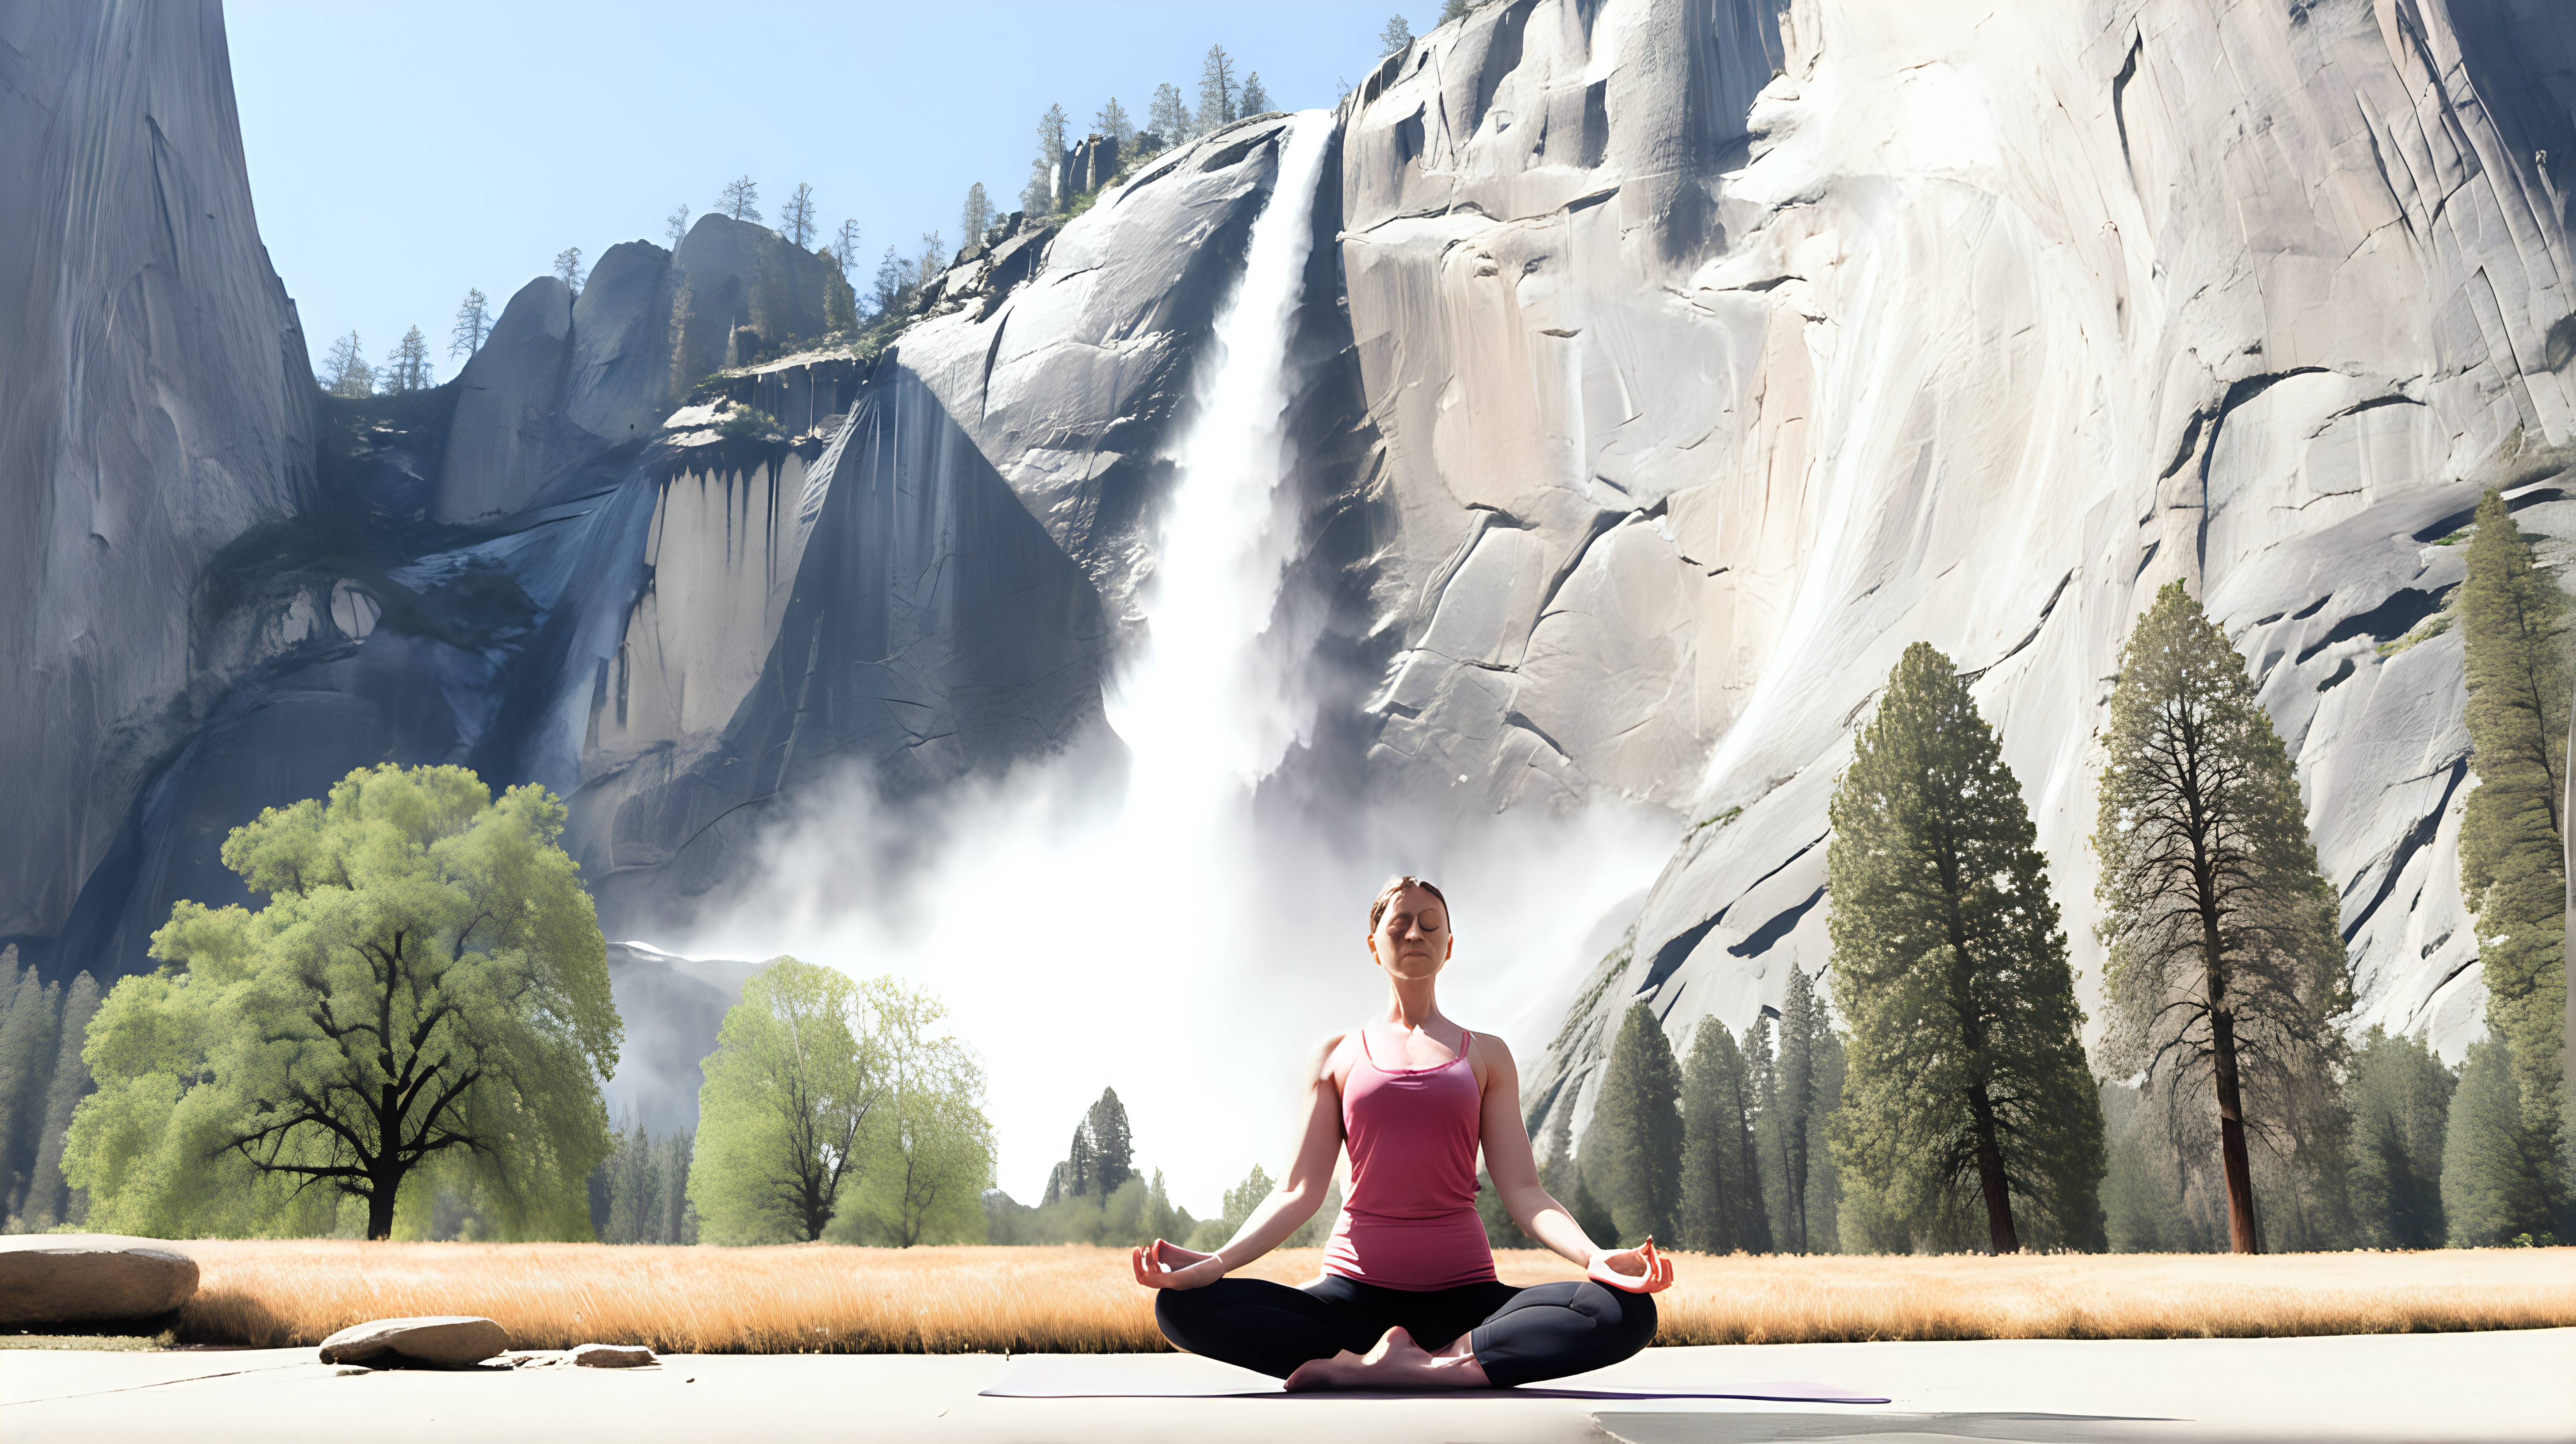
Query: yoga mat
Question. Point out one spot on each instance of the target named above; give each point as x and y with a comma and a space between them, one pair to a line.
1163, 1376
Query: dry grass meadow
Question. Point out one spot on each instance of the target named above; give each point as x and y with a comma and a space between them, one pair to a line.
820, 1298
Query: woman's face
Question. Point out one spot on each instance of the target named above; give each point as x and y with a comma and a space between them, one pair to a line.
1412, 938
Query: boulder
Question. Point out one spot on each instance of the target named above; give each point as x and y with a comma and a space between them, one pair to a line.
81, 1278
445, 1342
613, 1356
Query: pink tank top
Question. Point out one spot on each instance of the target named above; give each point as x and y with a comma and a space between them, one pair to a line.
1410, 1221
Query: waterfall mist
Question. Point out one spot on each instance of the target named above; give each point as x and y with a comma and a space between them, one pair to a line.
1090, 925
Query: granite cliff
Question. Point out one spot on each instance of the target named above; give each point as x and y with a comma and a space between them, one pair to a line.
1659, 369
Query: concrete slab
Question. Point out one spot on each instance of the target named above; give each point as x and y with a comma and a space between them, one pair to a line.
2418, 1387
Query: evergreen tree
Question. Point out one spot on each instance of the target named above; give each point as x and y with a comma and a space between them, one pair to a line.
1635, 1146
2497, 1179
2512, 849
50, 1199
1721, 1177
977, 216
796, 218
1256, 101
2226, 976
676, 225
845, 248
1454, 10
1167, 115
30, 1036
1793, 1104
1216, 90
934, 259
1082, 1164
1968, 1082
568, 267
1396, 37
1113, 1147
2399, 1096
1556, 1166
740, 199
346, 370
408, 368
840, 303
1038, 197
1591, 1214
1113, 123
892, 281
473, 323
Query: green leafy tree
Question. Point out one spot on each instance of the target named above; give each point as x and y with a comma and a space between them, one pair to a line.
1236, 1206
426, 987
1634, 1149
796, 218
1114, 1146
798, 1070
1968, 1085
1256, 100
1397, 36
676, 225
2497, 1176
1114, 123
740, 199
1167, 115
2512, 837
976, 216
408, 368
930, 1146
345, 371
2226, 977
2399, 1097
1217, 90
473, 323
1721, 1174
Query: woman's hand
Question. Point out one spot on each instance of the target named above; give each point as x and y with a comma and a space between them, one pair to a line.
1638, 1270
1161, 1265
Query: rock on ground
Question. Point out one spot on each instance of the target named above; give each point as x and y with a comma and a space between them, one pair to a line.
612, 1356
449, 1342
81, 1278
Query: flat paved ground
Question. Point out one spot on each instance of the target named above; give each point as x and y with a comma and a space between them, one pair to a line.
2413, 1387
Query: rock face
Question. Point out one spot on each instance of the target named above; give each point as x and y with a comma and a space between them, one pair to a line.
159, 405
672, 1008
85, 1278
1663, 369
1957, 336
445, 1342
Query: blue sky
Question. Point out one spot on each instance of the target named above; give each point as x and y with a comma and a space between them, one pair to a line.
401, 153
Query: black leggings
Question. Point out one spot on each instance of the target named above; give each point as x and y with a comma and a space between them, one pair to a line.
1521, 1335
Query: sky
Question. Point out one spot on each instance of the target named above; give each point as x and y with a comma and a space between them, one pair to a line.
402, 153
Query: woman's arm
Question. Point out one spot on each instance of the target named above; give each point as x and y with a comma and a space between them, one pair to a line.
1514, 1172
1164, 1265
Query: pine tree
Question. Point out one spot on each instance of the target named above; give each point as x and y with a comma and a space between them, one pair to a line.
797, 216
1455, 10
1039, 197
2497, 1178
50, 1197
1721, 1179
2226, 977
348, 373
977, 216
677, 225
408, 368
473, 323
1216, 90
1396, 37
934, 259
892, 280
30, 1036
1113, 123
740, 199
1082, 1164
568, 267
1636, 1138
1114, 1148
1556, 1165
1256, 101
2399, 1096
1967, 1081
845, 248
1792, 1106
1168, 116
2512, 850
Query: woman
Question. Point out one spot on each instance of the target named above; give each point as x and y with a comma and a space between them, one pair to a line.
1408, 1299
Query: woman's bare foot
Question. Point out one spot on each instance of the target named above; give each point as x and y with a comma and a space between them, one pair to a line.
1396, 1363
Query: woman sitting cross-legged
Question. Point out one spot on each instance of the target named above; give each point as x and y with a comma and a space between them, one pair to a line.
1409, 1299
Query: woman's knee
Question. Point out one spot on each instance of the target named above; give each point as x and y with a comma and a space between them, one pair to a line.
1624, 1321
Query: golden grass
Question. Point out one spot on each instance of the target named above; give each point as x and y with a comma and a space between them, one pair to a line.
819, 1298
